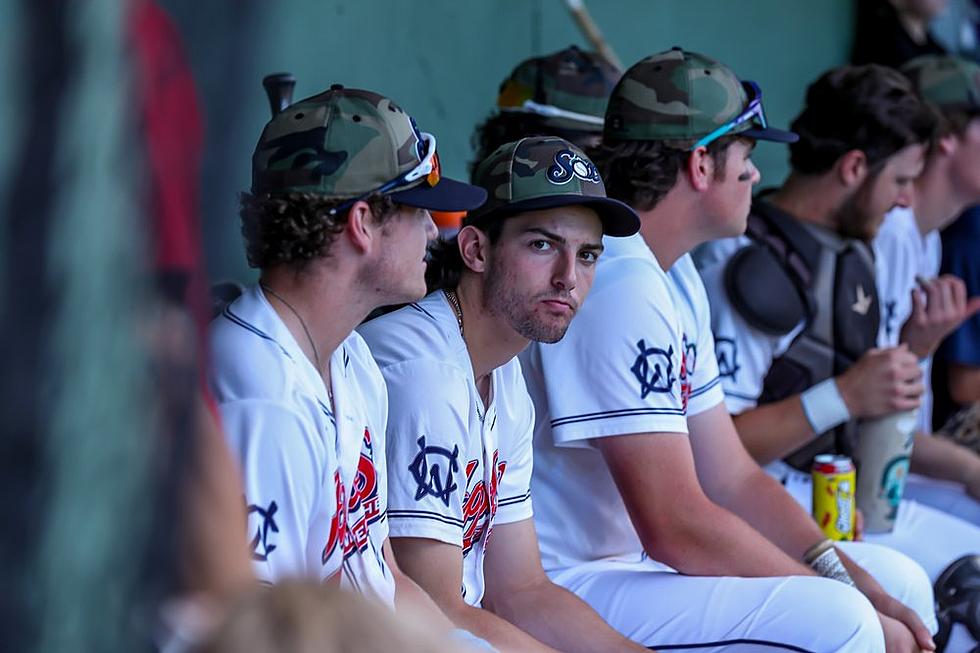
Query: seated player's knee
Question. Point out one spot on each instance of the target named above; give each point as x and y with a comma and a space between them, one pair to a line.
841, 617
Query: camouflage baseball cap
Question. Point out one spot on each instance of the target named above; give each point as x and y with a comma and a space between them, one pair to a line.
947, 82
348, 143
568, 88
543, 172
686, 96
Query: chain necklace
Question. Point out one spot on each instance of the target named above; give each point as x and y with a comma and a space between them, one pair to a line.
302, 323
454, 302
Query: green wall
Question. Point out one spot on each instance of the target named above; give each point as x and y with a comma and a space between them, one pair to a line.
442, 60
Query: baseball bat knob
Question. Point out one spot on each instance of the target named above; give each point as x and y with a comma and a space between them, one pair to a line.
279, 89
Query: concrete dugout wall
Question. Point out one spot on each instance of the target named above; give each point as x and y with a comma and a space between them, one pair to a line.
442, 60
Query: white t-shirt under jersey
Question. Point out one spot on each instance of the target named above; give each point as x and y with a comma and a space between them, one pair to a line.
454, 468
638, 358
901, 254
314, 482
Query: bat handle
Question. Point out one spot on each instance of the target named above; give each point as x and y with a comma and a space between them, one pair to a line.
279, 89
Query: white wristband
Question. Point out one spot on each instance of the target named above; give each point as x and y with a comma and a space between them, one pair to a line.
824, 406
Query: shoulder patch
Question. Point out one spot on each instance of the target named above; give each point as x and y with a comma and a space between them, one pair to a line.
762, 292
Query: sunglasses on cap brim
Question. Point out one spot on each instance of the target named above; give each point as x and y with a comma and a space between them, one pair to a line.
753, 111
550, 111
428, 169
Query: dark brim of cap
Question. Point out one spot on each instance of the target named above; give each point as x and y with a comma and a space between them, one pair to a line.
447, 195
771, 134
617, 218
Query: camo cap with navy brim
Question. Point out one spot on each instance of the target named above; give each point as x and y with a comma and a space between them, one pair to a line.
347, 142
683, 96
543, 172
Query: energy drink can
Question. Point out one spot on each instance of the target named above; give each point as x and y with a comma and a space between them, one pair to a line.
834, 482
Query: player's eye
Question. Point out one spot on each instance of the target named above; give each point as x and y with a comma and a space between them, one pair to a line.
589, 256
541, 245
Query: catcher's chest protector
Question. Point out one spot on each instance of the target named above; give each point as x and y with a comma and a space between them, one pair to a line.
795, 272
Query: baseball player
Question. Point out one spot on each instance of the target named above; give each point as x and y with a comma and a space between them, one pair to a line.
560, 94
919, 306
639, 473
337, 223
796, 369
460, 419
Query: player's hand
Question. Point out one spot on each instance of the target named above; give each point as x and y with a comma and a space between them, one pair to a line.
881, 382
904, 631
858, 525
898, 638
939, 306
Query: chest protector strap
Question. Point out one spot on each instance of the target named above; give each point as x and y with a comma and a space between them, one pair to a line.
793, 273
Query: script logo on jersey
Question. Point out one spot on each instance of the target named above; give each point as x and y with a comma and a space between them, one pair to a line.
689, 361
260, 543
433, 469
569, 165
726, 351
480, 503
353, 516
654, 369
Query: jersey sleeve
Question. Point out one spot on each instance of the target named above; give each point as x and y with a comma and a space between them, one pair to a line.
426, 454
514, 493
283, 467
743, 354
617, 370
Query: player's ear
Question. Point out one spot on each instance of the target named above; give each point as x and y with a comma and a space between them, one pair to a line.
852, 168
700, 168
361, 228
473, 247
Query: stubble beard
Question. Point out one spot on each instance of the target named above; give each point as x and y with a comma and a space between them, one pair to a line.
501, 300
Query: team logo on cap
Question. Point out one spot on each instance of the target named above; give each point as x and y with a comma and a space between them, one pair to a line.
654, 369
568, 165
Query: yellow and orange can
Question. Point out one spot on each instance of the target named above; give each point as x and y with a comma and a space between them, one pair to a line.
834, 482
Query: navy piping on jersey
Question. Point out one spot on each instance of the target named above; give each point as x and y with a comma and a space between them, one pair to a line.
514, 500
706, 387
610, 414
326, 411
425, 514
351, 576
730, 642
739, 395
422, 310
234, 319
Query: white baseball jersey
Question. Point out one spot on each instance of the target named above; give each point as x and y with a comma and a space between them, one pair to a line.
901, 254
628, 364
455, 468
314, 481
639, 358
925, 534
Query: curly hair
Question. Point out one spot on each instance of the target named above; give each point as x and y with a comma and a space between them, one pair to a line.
869, 108
508, 126
641, 173
295, 228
